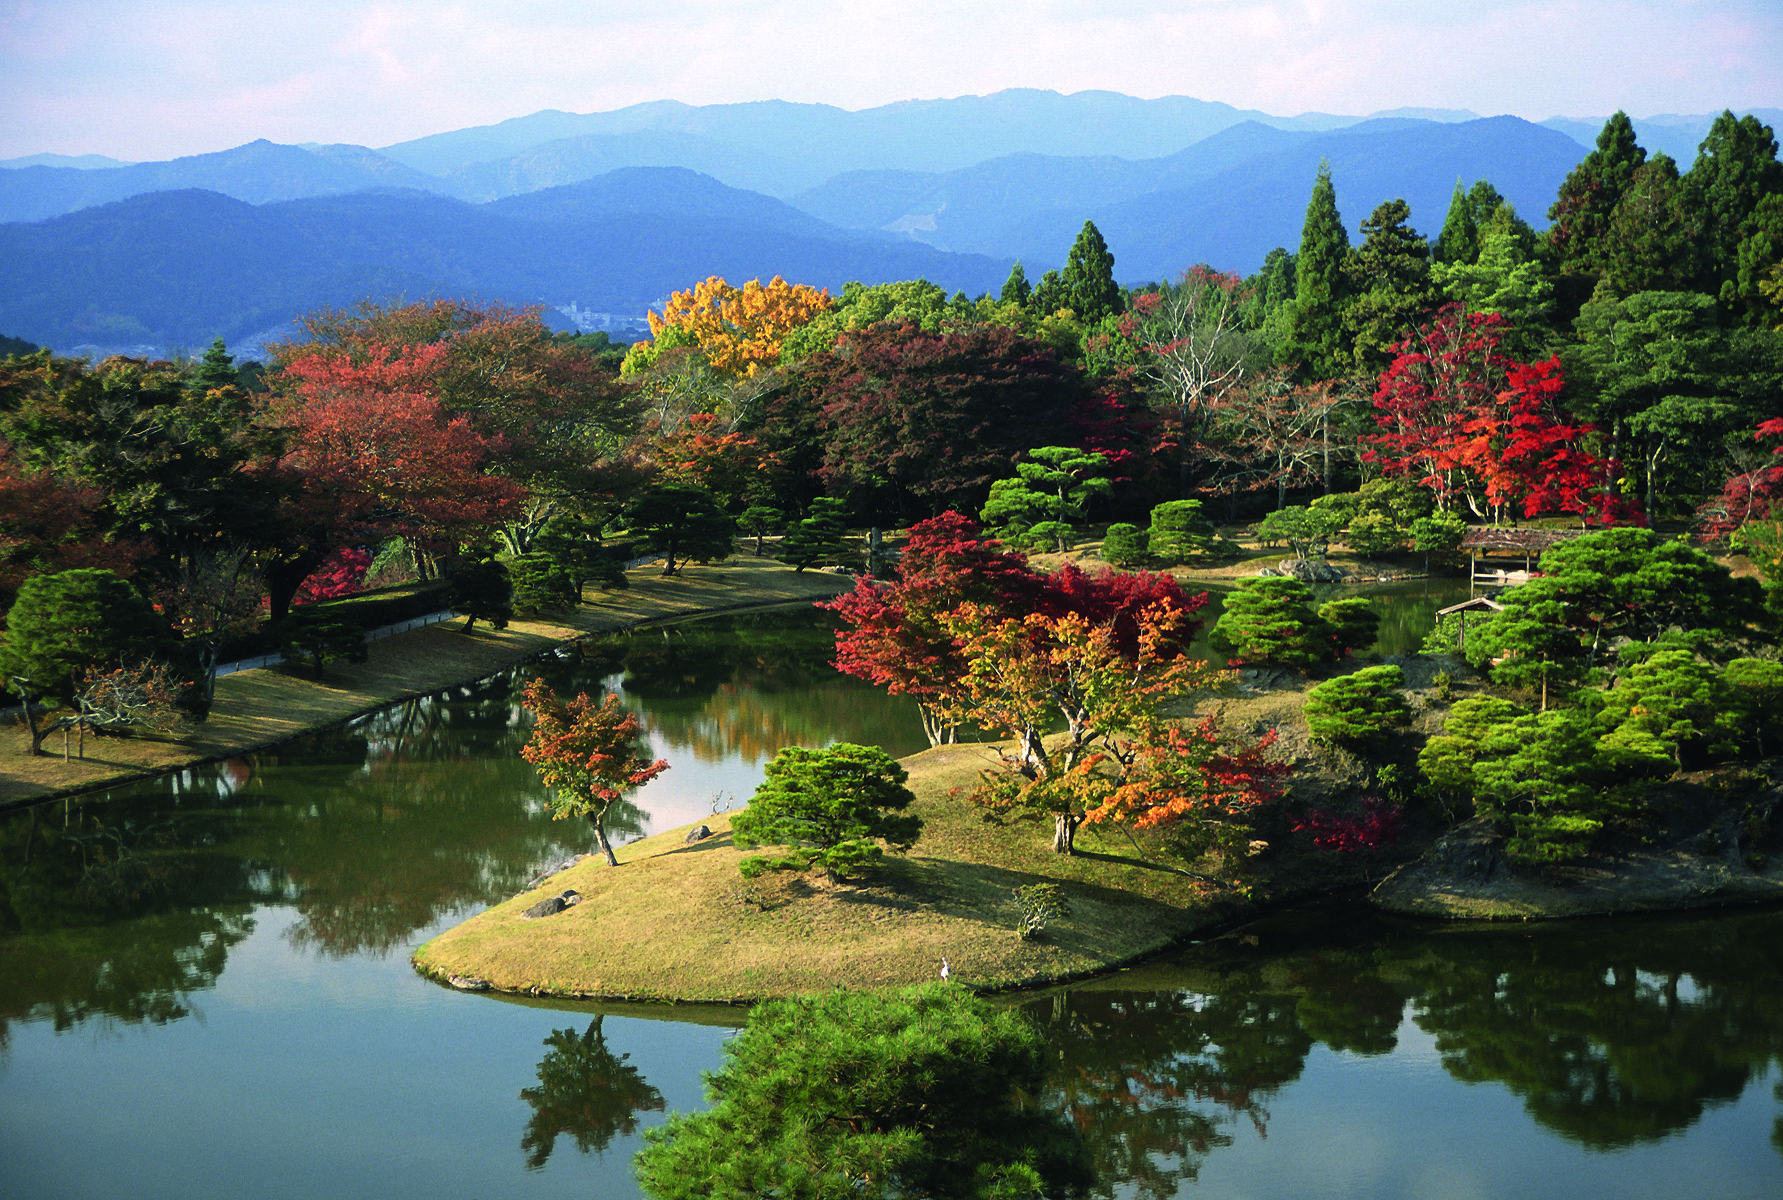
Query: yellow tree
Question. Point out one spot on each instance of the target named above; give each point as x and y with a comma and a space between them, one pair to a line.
738, 330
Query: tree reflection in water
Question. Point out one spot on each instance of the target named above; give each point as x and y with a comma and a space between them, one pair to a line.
745, 685
1613, 1035
1150, 1078
585, 1091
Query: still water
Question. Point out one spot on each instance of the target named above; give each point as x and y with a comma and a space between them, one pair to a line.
204, 991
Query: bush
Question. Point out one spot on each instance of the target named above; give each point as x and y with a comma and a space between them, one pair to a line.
1359, 711
1180, 533
1354, 623
1271, 621
313, 641
1125, 547
829, 806
541, 585
819, 538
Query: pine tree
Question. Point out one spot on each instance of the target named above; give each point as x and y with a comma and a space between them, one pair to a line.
1390, 277
1016, 289
830, 808
1320, 286
1653, 238
1088, 278
215, 370
1580, 215
1736, 168
1459, 241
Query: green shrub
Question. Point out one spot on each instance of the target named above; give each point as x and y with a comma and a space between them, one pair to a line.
1354, 623
1180, 533
828, 807
541, 585
937, 1085
1271, 621
1124, 547
1360, 711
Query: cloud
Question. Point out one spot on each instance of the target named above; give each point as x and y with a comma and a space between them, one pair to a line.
147, 80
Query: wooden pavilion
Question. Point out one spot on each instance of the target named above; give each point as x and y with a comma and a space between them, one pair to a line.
1501, 558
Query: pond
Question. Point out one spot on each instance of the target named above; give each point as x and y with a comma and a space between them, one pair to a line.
204, 990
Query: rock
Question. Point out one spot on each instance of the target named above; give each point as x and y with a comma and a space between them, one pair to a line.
1269, 573
1312, 570
549, 906
698, 833
468, 983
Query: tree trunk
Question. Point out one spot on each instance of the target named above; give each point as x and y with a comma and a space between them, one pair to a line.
1064, 832
598, 820
938, 731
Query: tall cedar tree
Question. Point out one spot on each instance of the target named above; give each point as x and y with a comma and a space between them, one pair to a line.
587, 754
1654, 242
1579, 229
1459, 241
1390, 283
1088, 278
1321, 288
1736, 167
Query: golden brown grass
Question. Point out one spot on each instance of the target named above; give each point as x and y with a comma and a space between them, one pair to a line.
258, 708
675, 921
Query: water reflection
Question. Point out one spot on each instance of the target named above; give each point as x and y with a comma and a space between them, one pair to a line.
1612, 1034
585, 1092
123, 904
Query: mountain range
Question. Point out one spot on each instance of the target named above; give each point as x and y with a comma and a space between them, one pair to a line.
613, 210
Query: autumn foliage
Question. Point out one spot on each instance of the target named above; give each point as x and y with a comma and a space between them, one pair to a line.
1459, 416
587, 753
738, 330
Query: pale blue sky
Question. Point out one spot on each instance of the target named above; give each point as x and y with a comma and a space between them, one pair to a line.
147, 79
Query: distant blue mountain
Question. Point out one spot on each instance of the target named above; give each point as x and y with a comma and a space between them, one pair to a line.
1226, 200
258, 172
179, 268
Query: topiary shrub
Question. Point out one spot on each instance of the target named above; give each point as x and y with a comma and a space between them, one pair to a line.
1270, 621
1125, 547
1179, 533
1359, 712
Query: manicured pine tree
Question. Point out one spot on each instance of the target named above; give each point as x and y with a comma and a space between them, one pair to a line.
1270, 621
820, 537
1359, 711
1321, 288
830, 808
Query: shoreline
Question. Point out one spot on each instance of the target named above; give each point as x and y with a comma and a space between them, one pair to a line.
418, 662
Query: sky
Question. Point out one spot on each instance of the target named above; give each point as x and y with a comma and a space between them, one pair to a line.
152, 79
